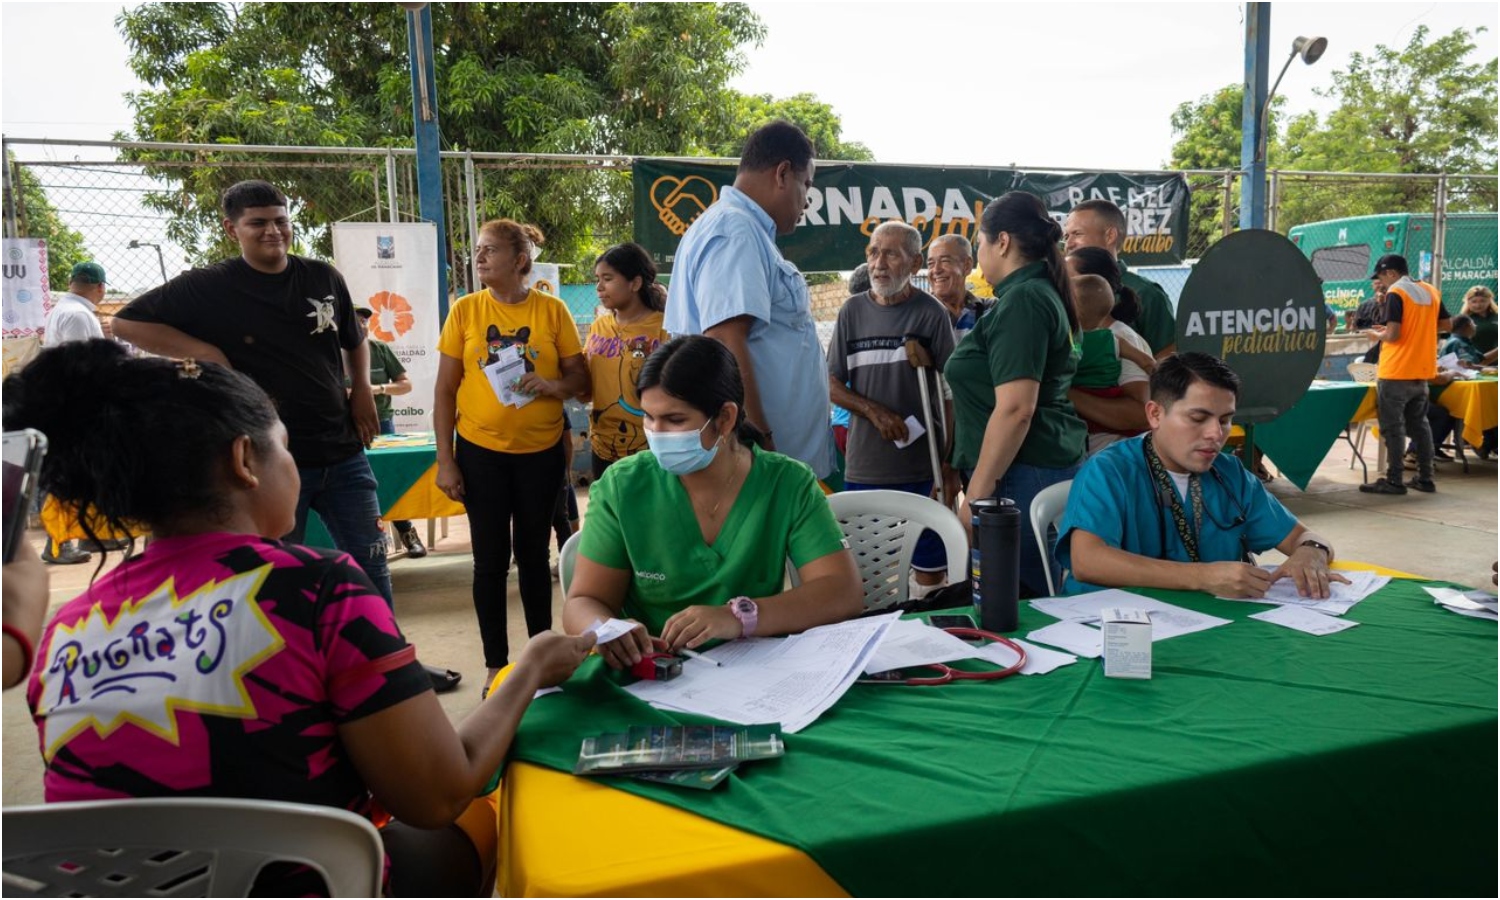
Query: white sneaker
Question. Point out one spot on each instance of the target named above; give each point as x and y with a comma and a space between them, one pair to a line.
915, 591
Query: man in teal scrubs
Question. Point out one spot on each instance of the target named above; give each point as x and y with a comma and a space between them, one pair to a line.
1168, 510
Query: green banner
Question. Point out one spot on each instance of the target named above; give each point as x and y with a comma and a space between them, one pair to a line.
848, 200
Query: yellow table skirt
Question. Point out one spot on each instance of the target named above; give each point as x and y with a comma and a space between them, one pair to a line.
566, 836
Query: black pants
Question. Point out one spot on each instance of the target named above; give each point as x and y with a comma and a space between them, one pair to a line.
507, 493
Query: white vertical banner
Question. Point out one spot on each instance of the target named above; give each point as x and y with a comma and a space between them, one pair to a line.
26, 299
392, 269
545, 277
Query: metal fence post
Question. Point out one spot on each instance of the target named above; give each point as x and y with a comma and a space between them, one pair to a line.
470, 200
390, 187
1227, 206
1439, 231
1275, 206
11, 186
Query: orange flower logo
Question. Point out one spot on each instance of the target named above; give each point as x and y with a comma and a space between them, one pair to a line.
393, 316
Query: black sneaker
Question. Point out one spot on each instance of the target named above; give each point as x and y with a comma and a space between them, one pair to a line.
1438, 453
1424, 485
68, 555
1381, 486
413, 544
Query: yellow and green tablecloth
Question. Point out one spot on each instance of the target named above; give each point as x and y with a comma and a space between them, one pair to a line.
1258, 760
1298, 441
405, 467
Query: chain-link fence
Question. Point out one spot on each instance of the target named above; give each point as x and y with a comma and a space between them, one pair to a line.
147, 211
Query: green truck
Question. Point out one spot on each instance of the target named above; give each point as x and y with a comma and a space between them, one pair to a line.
1343, 251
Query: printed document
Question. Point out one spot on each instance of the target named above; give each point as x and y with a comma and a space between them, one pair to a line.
910, 643
791, 680
1300, 618
504, 377
1167, 620
1341, 597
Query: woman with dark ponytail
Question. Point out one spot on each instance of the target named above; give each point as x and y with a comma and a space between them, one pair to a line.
619, 342
223, 662
1016, 431
1098, 261
690, 540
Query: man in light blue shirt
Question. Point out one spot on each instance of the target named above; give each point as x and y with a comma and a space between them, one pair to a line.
730, 282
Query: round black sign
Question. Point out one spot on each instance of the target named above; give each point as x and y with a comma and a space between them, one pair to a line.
1255, 302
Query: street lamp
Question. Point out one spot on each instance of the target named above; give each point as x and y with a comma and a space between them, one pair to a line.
136, 245
1311, 50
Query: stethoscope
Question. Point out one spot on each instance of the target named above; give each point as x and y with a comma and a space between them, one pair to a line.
1241, 515
948, 674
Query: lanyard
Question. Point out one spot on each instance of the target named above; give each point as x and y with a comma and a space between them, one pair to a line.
1173, 501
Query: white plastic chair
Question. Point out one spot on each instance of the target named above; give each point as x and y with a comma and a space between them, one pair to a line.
183, 847
1363, 373
567, 559
1046, 511
882, 528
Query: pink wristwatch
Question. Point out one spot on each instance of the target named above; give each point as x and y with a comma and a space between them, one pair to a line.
747, 612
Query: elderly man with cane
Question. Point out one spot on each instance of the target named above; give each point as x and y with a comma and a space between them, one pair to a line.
880, 367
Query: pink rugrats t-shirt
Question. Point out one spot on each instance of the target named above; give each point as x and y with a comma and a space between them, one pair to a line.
218, 665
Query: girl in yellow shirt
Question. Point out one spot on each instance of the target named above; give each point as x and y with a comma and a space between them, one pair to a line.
619, 342
507, 359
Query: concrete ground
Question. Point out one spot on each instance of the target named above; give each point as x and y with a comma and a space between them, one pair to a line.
1449, 535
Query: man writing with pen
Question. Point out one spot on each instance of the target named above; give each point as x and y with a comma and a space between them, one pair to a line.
1168, 510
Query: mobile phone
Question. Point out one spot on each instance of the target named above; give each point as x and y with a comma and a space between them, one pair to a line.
22, 463
959, 621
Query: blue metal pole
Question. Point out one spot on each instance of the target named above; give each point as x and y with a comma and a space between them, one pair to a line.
429, 165
1252, 164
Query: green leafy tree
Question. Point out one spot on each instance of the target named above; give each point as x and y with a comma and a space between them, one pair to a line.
806, 111
1208, 137
36, 217
575, 78
1424, 108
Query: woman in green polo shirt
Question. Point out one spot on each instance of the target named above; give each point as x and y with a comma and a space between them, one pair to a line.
1010, 377
691, 539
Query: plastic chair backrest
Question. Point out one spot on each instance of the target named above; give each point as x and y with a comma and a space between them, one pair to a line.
1046, 511
567, 558
1363, 372
183, 847
882, 528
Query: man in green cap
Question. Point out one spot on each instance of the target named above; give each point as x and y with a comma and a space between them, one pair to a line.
75, 316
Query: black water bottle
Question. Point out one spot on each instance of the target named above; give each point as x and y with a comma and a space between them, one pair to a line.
996, 561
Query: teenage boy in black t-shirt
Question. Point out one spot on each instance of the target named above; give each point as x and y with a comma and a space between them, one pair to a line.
288, 323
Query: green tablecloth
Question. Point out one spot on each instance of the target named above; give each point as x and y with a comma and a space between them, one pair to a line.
1298, 441
1258, 761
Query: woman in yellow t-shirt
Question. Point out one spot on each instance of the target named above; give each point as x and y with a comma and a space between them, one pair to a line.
618, 345
507, 359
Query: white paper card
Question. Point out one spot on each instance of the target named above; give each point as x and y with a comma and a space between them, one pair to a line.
914, 430
1299, 618
613, 629
1039, 660
1341, 597
504, 376
1072, 637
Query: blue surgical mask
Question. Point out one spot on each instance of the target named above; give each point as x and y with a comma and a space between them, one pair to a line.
681, 452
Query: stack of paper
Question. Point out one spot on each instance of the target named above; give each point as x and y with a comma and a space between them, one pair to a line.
1478, 604
1341, 597
1082, 610
790, 680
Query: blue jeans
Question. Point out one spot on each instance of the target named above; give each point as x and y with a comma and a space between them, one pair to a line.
929, 555
344, 496
1022, 483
